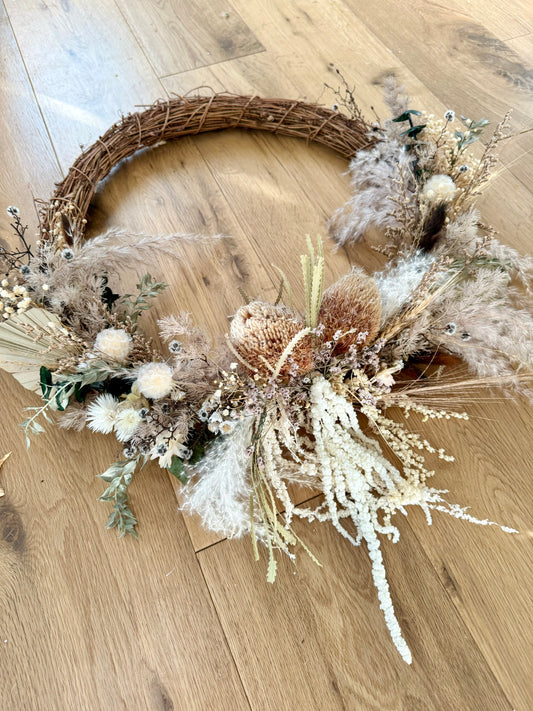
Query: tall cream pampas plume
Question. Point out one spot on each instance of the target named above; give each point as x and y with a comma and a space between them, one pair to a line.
219, 490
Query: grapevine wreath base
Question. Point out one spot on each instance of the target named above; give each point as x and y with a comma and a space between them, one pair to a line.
317, 393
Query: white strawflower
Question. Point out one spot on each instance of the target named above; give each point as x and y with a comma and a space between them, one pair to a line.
101, 413
439, 188
154, 380
114, 343
126, 423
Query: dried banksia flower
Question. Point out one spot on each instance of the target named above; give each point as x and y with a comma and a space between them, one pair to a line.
352, 304
261, 331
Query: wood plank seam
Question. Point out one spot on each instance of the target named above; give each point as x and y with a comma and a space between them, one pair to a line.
141, 48
230, 651
215, 64
33, 89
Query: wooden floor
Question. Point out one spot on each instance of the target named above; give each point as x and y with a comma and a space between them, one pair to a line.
179, 620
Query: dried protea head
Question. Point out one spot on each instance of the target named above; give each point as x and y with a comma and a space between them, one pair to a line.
351, 304
261, 331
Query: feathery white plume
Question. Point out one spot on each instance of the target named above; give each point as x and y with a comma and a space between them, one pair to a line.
396, 284
220, 490
124, 248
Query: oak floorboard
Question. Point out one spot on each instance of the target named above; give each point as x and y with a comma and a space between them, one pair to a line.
508, 205
488, 573
29, 166
506, 20
517, 152
85, 66
463, 61
90, 620
316, 639
308, 58
180, 36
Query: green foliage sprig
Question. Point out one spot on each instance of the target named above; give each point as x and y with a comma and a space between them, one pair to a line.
414, 129
57, 395
119, 476
148, 289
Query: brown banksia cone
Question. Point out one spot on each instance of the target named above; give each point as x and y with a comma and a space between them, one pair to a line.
262, 331
352, 304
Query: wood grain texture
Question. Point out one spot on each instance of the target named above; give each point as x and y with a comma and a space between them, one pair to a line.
177, 36
90, 620
85, 65
29, 166
96, 622
316, 639
506, 20
463, 62
487, 573
309, 68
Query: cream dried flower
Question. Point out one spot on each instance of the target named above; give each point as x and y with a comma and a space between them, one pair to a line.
439, 188
101, 413
114, 343
167, 446
154, 380
126, 423
260, 332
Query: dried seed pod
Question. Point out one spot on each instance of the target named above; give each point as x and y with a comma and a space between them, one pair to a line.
352, 306
260, 331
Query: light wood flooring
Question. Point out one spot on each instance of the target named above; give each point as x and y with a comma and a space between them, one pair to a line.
179, 620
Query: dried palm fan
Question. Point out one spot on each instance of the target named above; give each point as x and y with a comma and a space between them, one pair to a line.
28, 341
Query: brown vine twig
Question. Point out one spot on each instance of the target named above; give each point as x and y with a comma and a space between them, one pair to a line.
181, 116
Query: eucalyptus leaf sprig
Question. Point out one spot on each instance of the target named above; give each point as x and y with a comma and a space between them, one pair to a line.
119, 476
149, 289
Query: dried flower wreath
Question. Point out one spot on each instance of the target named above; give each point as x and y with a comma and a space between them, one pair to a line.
293, 396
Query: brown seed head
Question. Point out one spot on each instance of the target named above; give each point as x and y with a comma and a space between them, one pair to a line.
260, 330
352, 303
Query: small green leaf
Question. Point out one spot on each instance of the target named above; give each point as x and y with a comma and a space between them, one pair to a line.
413, 131
119, 476
62, 396
45, 377
177, 469
406, 114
